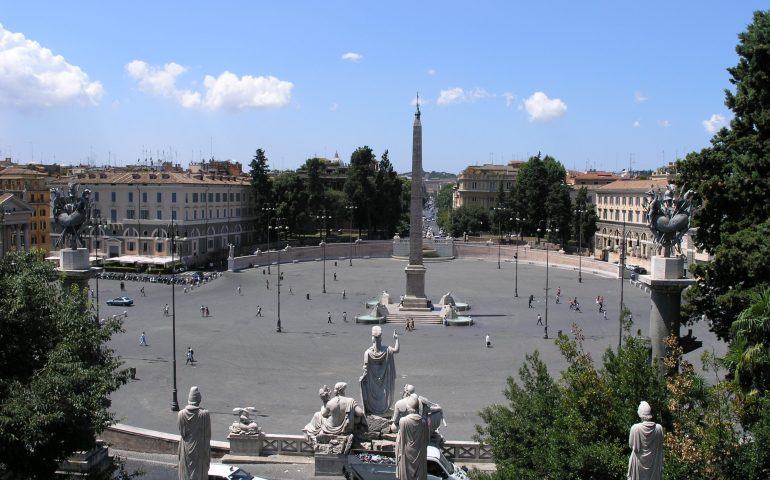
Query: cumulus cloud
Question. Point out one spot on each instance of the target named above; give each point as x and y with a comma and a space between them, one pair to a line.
637, 124
715, 123
32, 77
664, 123
225, 92
431, 71
509, 98
352, 56
543, 109
459, 95
639, 97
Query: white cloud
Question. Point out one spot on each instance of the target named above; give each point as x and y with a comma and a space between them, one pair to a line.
334, 107
458, 95
715, 123
431, 71
32, 77
225, 92
639, 97
509, 98
352, 56
664, 123
637, 124
542, 109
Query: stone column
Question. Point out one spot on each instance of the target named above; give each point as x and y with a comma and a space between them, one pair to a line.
666, 282
415, 271
76, 267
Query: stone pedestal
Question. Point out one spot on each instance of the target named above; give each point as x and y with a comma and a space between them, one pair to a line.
86, 464
666, 282
329, 464
76, 267
415, 289
245, 445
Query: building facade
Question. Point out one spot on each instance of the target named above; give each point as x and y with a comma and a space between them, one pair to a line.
136, 209
15, 222
31, 186
478, 185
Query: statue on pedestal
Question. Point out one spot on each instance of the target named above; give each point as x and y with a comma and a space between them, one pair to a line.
378, 381
646, 442
245, 425
412, 444
72, 212
194, 445
312, 429
340, 413
668, 217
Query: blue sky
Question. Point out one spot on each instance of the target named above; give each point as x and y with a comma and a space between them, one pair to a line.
593, 83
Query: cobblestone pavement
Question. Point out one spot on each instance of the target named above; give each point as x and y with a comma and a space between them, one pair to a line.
242, 361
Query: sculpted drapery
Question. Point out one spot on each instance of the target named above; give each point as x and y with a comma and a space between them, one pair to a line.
194, 446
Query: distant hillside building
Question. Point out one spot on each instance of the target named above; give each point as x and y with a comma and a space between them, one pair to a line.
479, 184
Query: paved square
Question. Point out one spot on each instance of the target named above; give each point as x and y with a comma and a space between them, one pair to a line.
242, 361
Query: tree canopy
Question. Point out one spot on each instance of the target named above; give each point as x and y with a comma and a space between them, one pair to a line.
542, 197
261, 190
56, 372
732, 176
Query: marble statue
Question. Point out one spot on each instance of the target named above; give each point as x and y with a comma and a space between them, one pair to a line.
245, 425
340, 413
194, 445
378, 381
447, 299
72, 213
431, 412
312, 429
668, 217
646, 442
412, 444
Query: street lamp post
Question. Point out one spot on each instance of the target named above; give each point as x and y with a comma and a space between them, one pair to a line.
173, 233
323, 249
269, 210
323, 218
352, 210
579, 212
622, 264
548, 230
285, 229
499, 211
516, 258
100, 224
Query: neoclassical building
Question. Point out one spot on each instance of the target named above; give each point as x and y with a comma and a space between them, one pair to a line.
479, 184
31, 186
136, 209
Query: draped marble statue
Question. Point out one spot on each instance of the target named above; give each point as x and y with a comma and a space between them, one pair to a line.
312, 429
431, 412
646, 442
412, 444
378, 381
340, 413
194, 446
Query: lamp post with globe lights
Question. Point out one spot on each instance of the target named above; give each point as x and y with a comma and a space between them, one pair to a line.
547, 232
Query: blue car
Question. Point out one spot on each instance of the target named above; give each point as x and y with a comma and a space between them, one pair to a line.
120, 302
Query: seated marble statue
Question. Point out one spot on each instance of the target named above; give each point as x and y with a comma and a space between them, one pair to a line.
378, 381
340, 413
431, 412
312, 429
646, 442
245, 425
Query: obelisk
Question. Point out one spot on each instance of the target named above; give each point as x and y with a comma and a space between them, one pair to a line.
415, 271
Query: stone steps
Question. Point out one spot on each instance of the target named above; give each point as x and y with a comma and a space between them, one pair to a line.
420, 318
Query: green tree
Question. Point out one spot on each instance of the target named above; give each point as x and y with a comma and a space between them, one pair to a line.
748, 357
732, 178
541, 197
291, 199
56, 371
444, 206
469, 219
388, 196
359, 185
587, 219
315, 186
261, 190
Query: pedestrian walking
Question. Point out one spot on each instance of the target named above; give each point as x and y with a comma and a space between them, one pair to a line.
239, 289
343, 294
190, 356
203, 311
604, 312
558, 294
259, 311
143, 340
531, 299
335, 276
290, 291
122, 287
539, 319
141, 290
330, 317
165, 310
267, 283
207, 312
92, 293
488, 342
345, 317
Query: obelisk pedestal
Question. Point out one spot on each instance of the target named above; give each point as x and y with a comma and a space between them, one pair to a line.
415, 299
666, 282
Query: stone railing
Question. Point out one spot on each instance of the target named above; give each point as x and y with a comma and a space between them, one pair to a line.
334, 251
273, 444
472, 452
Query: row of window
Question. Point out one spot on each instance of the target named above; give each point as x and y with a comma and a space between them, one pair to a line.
608, 214
617, 199
145, 214
196, 197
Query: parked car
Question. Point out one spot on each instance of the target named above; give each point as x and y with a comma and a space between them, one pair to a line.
359, 466
121, 302
221, 471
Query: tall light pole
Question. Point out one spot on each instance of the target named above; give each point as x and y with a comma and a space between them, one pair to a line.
352, 209
579, 212
516, 258
100, 224
279, 229
622, 264
173, 232
269, 210
548, 230
499, 212
323, 218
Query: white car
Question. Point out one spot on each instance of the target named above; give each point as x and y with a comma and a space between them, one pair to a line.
221, 471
